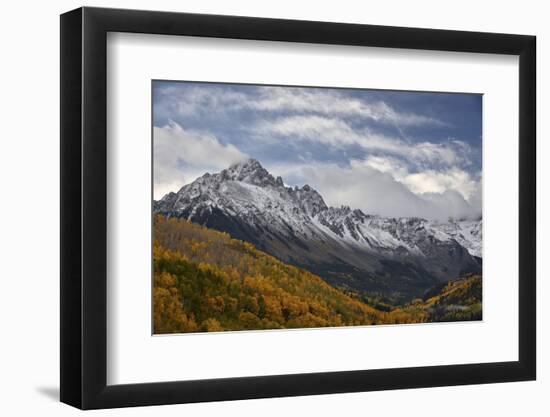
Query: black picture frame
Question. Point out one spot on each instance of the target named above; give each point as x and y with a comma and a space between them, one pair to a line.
84, 207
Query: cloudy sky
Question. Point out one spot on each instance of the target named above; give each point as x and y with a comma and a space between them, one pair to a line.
386, 152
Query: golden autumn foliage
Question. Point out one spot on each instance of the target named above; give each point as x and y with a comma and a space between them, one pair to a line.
457, 300
205, 281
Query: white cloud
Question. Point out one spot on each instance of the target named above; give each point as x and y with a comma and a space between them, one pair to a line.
338, 134
439, 182
376, 191
326, 102
180, 156
330, 102
427, 181
333, 132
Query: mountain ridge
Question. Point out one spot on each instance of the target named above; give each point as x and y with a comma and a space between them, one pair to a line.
345, 246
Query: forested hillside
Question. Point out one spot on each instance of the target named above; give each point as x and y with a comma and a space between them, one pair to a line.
206, 281
456, 300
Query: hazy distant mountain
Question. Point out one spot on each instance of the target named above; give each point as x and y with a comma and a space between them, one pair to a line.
348, 248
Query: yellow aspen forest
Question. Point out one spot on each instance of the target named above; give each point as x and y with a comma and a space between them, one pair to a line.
205, 281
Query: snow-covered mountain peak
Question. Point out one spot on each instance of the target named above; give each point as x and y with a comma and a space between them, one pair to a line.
250, 172
247, 190
309, 200
468, 233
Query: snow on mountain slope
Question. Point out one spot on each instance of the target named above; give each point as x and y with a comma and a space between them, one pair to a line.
466, 232
345, 246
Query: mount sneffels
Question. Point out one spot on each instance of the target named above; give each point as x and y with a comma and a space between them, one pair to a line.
396, 257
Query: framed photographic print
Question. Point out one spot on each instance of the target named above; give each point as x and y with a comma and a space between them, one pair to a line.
258, 207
